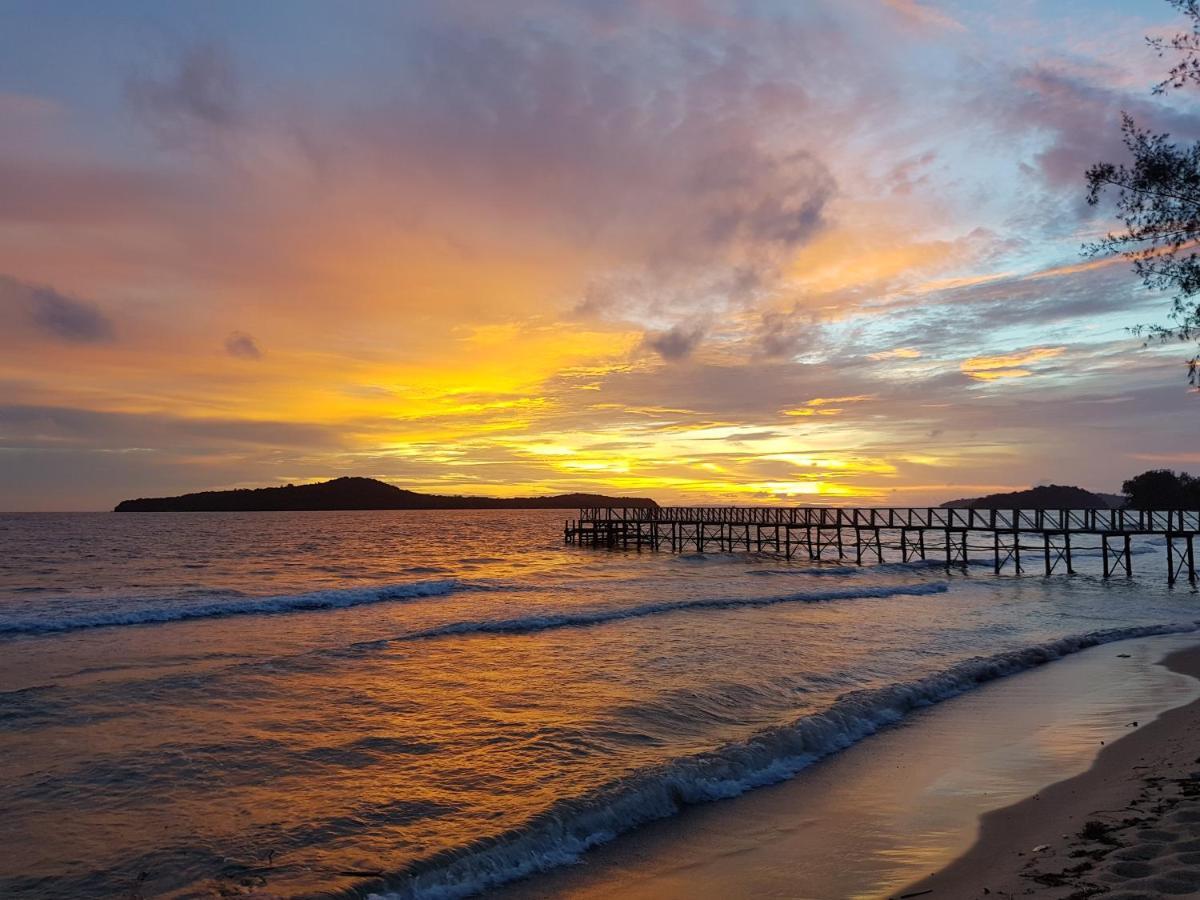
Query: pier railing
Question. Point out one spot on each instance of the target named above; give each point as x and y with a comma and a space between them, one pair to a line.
915, 532
1089, 521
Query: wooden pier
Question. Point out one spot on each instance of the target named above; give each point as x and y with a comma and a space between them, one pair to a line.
955, 537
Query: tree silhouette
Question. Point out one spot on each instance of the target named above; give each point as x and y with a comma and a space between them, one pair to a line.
1158, 200
1162, 489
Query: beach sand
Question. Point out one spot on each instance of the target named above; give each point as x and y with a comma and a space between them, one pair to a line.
1127, 829
909, 801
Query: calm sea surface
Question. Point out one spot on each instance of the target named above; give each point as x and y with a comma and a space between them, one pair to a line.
420, 704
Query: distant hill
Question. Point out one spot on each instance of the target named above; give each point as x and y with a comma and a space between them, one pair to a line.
358, 493
1047, 496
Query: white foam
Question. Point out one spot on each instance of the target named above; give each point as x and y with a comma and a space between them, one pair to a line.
546, 621
814, 570
155, 612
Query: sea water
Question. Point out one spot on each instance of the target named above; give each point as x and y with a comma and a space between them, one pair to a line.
429, 704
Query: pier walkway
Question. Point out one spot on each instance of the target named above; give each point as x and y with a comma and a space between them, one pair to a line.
863, 533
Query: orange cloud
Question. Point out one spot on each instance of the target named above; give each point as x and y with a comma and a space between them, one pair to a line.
995, 368
823, 406
898, 353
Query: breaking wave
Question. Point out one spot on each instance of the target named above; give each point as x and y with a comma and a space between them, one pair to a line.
182, 609
570, 827
547, 621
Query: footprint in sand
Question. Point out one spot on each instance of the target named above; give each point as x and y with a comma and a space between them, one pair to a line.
1157, 834
1140, 851
1177, 881
1131, 869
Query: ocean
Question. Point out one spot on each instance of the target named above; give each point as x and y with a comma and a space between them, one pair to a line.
430, 704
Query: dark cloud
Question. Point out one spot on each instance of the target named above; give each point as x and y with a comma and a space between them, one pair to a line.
784, 334
57, 315
1079, 115
676, 342
242, 346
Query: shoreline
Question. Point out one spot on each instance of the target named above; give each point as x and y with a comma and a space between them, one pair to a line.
1128, 827
898, 805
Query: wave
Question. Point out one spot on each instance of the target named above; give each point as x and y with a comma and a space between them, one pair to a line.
177, 611
547, 621
570, 827
872, 568
807, 570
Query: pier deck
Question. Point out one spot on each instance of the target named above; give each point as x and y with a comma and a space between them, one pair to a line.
863, 533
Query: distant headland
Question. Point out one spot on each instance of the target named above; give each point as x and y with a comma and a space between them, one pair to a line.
358, 493
1045, 496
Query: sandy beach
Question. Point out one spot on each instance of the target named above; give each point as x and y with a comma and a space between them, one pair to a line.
1127, 828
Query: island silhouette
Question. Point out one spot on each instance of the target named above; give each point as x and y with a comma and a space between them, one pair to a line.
359, 493
1044, 496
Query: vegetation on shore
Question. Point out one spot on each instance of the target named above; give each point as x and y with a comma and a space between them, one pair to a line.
1162, 489
1157, 198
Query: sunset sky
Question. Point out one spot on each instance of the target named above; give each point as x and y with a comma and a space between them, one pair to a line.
739, 252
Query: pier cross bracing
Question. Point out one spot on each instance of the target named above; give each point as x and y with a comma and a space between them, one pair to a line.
863, 533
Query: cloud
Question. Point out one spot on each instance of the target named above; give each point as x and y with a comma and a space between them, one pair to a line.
48, 427
924, 14
662, 160
1009, 365
784, 334
1074, 114
39, 192
897, 353
1074, 300
57, 315
242, 346
677, 342
201, 92
826, 406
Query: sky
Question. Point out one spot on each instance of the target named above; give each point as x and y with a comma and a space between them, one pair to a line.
708, 251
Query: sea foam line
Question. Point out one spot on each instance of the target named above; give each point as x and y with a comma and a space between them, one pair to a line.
547, 621
177, 611
570, 827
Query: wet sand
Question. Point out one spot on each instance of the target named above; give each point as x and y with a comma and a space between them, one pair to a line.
1128, 828
908, 801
